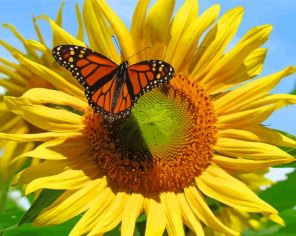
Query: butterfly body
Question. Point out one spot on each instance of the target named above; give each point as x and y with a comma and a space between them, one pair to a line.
120, 78
111, 89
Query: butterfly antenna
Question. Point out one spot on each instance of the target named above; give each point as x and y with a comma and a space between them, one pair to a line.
139, 52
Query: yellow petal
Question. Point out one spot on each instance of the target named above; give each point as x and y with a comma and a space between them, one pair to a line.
277, 219
249, 150
13, 124
188, 41
131, 212
156, 217
46, 118
41, 95
70, 204
173, 212
189, 218
122, 34
60, 36
58, 149
111, 215
46, 58
59, 19
36, 45
281, 99
38, 31
80, 31
38, 137
47, 74
48, 168
10, 48
250, 68
183, 18
138, 27
88, 220
218, 184
241, 119
232, 60
245, 165
203, 212
215, 42
31, 52
258, 133
157, 28
15, 76
249, 92
98, 31
10, 86
8, 63
68, 179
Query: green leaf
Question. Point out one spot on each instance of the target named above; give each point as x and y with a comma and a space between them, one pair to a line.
290, 165
114, 232
46, 197
142, 218
28, 229
10, 219
140, 228
282, 194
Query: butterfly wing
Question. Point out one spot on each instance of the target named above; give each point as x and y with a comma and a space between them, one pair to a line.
146, 75
93, 70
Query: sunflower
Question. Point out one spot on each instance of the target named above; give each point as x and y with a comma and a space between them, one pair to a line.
179, 147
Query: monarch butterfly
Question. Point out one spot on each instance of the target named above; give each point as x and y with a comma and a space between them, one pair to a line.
111, 89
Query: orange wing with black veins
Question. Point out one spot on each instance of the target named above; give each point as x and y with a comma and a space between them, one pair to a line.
93, 70
146, 75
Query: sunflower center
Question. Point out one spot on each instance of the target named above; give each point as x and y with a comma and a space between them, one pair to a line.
163, 145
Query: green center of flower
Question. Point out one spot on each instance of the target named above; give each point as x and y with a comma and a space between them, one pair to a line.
163, 145
160, 120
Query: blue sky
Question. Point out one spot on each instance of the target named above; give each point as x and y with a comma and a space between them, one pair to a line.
282, 43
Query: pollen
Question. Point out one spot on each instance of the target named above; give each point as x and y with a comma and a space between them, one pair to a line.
165, 143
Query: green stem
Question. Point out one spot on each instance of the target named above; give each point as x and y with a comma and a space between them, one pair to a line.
3, 198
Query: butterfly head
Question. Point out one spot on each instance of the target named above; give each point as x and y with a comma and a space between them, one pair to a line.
122, 67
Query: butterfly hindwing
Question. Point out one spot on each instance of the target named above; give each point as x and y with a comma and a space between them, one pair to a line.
147, 75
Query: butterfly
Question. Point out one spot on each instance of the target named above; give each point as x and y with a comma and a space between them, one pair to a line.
112, 90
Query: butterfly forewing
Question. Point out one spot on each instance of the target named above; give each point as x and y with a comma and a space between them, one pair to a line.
147, 75
90, 68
